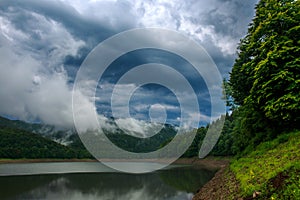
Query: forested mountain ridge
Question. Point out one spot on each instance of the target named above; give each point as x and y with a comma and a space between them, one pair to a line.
62, 136
26, 130
17, 143
18, 137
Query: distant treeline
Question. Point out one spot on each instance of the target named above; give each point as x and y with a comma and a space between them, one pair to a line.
16, 143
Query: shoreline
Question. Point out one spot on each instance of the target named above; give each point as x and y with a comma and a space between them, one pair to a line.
43, 160
209, 162
214, 163
223, 185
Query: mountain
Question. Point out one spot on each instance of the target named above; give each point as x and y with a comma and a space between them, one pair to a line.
31, 127
16, 143
18, 138
135, 141
62, 136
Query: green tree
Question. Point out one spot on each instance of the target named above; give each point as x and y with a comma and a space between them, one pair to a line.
265, 79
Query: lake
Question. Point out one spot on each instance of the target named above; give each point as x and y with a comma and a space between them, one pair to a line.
92, 180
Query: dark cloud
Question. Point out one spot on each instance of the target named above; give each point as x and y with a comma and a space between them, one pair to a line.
63, 13
230, 17
53, 37
33, 18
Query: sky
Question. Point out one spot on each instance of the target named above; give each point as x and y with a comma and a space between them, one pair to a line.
44, 42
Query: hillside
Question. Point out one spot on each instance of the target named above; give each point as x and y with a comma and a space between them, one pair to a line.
31, 127
20, 139
271, 171
62, 136
16, 143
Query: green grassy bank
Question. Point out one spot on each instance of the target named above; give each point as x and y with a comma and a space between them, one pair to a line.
272, 169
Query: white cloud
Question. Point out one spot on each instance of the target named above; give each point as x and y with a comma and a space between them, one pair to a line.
15, 80
138, 128
34, 84
189, 18
158, 106
30, 94
44, 39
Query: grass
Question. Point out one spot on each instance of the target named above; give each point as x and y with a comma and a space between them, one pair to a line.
273, 169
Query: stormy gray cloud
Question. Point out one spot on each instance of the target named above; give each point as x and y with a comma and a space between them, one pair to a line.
43, 43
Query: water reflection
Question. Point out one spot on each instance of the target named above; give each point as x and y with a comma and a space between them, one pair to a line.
174, 183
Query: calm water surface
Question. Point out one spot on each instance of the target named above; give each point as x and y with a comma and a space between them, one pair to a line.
91, 180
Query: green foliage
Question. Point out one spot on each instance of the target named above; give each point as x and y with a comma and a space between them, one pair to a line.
21, 125
272, 169
265, 79
142, 145
194, 148
288, 188
227, 95
224, 145
17, 143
